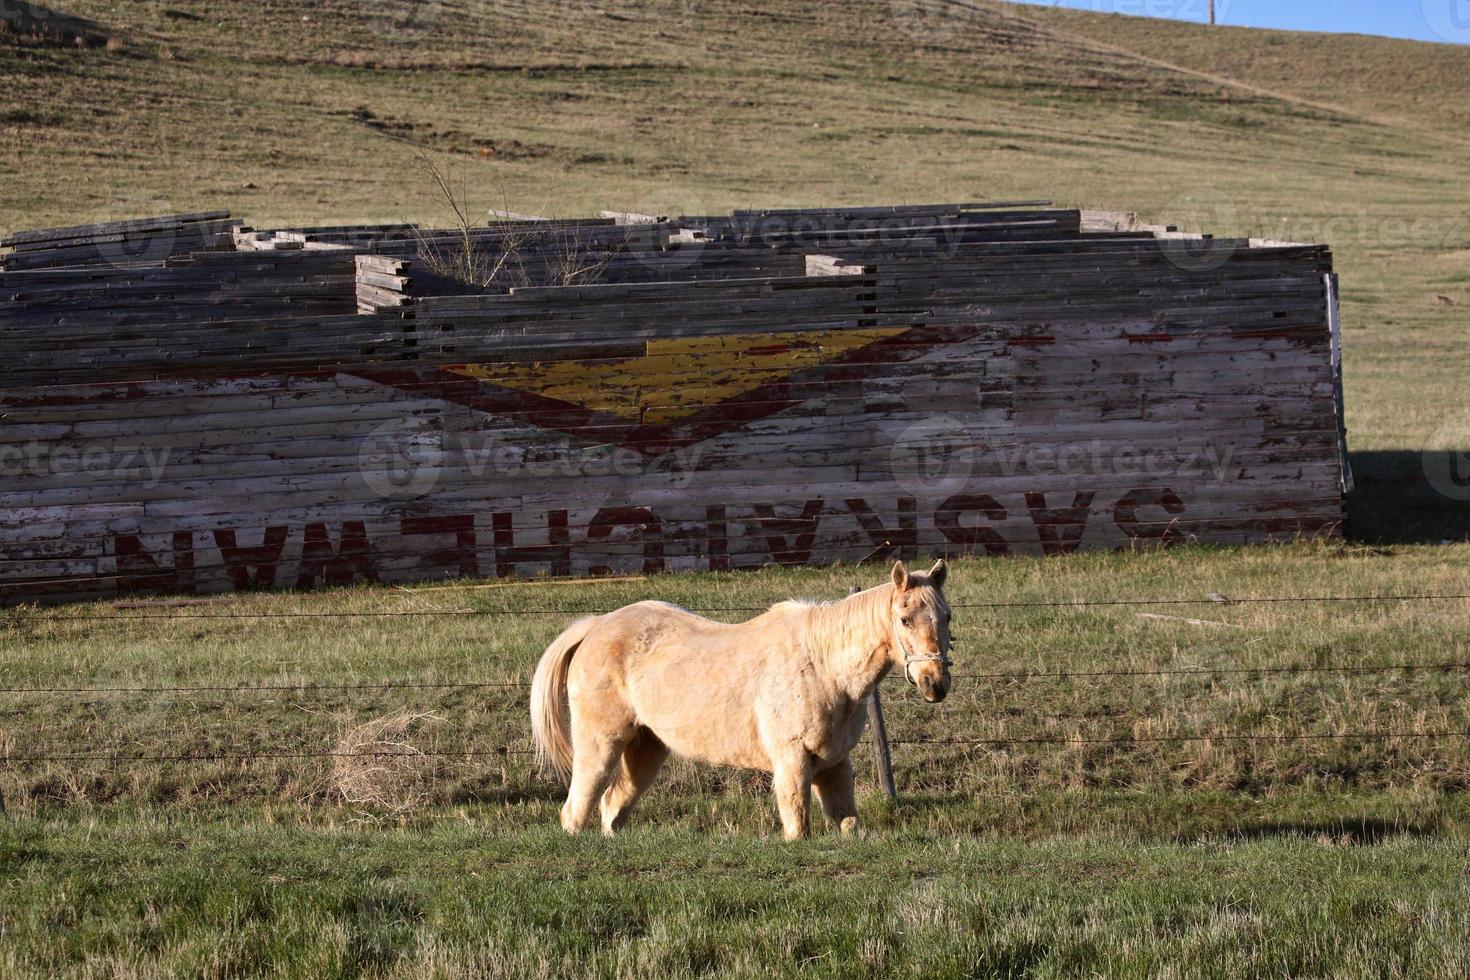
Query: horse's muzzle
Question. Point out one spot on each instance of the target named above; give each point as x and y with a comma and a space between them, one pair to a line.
934, 689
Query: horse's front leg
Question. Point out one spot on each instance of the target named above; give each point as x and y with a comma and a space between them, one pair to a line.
839, 801
791, 778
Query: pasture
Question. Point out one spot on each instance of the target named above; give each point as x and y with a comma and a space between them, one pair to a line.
1279, 787
1044, 848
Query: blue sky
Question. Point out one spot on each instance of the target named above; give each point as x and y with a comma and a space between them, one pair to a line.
1424, 20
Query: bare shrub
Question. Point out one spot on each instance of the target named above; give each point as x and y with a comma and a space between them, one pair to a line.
464, 257
534, 251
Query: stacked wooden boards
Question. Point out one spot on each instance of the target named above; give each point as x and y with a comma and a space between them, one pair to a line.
960, 391
184, 289
141, 241
387, 282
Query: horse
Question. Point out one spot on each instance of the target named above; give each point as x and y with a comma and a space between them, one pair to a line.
784, 693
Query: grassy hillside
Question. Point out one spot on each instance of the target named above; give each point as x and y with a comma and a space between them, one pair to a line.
1060, 857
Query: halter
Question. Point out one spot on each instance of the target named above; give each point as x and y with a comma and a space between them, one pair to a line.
910, 659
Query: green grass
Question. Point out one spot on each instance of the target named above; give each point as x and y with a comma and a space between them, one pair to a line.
1325, 857
169, 896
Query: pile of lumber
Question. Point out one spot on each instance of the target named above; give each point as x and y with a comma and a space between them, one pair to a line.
142, 241
382, 283
357, 237
92, 301
945, 223
787, 392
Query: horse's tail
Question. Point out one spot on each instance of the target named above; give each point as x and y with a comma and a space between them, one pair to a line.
551, 723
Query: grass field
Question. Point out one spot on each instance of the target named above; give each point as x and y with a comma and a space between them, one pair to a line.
1147, 854
474, 899
1323, 856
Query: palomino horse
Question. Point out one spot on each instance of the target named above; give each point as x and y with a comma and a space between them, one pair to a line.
784, 693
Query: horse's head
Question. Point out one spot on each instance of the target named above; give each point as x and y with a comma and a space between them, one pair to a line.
920, 625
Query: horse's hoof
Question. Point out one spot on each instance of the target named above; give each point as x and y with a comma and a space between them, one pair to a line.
849, 826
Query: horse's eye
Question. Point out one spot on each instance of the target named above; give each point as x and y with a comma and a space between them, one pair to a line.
906, 621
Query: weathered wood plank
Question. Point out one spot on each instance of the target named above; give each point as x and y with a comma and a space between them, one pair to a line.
791, 386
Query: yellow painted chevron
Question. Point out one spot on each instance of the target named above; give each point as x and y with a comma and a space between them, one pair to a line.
679, 376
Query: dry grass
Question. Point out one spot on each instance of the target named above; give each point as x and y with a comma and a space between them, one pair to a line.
379, 769
986, 786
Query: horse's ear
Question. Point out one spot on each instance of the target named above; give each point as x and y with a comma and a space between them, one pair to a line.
937, 574
900, 576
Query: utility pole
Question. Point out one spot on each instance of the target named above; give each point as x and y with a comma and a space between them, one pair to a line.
1212, 13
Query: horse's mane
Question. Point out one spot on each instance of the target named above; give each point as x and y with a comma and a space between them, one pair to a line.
846, 622
852, 620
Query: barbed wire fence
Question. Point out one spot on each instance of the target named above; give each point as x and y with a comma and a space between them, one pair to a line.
185, 613
309, 688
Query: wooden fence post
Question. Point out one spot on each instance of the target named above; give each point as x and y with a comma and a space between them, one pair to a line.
880, 747
881, 755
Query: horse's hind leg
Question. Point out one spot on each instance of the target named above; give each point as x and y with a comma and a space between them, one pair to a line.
642, 760
597, 745
839, 801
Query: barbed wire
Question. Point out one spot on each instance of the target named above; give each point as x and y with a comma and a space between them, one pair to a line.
1208, 737
306, 687
316, 687
558, 611
115, 759
1044, 740
1428, 667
